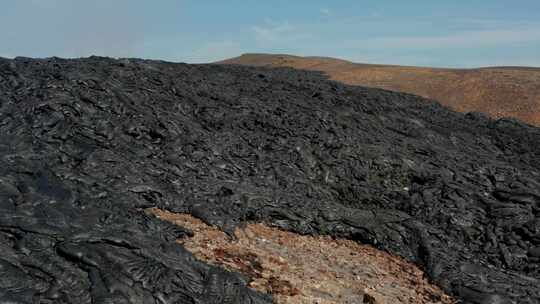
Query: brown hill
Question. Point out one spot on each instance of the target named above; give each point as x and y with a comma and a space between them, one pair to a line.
496, 91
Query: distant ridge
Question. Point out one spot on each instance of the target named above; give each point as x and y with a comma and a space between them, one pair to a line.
505, 91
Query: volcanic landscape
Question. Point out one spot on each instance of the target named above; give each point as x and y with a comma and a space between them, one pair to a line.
496, 91
110, 170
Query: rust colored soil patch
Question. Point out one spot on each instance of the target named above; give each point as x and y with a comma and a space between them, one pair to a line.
306, 269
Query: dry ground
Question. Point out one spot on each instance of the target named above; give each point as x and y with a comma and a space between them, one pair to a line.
307, 269
498, 92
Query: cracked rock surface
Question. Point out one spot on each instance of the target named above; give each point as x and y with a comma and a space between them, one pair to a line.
86, 144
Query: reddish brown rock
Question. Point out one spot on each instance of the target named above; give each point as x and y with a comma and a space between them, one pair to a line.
307, 269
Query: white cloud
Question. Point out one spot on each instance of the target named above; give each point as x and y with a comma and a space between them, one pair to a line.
374, 14
76, 28
275, 33
272, 33
473, 38
325, 11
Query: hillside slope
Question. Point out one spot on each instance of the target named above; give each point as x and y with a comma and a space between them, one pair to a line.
87, 145
499, 91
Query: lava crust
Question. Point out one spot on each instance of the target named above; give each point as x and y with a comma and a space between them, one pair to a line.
87, 144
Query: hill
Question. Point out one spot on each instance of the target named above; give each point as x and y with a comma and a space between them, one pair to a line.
87, 145
496, 91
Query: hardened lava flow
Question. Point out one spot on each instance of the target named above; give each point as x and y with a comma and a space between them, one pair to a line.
87, 145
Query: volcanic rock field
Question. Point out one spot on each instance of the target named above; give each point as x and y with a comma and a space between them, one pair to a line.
87, 145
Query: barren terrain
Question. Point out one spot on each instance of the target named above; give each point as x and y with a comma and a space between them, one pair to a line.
298, 269
86, 145
497, 91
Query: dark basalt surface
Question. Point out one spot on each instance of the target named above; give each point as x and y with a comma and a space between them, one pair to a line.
86, 145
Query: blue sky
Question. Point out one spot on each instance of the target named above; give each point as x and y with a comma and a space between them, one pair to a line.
455, 33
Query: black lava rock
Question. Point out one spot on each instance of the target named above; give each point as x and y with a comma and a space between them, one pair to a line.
86, 144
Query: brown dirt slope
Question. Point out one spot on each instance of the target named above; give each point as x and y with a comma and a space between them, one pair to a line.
298, 269
496, 91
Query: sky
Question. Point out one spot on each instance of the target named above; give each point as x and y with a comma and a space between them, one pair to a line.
458, 33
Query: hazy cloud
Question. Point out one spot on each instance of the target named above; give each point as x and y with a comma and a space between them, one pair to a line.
474, 38
325, 11
214, 51
103, 29
71, 28
272, 33
275, 33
